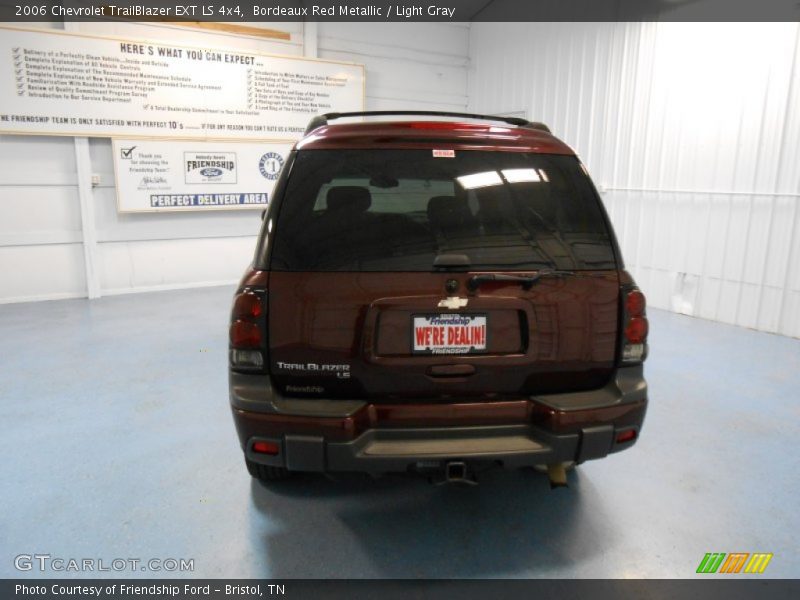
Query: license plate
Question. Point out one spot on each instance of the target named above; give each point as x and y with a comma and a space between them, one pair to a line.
448, 334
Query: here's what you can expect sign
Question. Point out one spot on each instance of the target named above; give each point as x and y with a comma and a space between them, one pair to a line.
58, 83
159, 175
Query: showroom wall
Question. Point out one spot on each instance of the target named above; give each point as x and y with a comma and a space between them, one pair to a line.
691, 131
59, 239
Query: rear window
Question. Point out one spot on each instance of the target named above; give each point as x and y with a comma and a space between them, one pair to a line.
397, 210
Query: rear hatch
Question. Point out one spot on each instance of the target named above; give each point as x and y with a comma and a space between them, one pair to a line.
440, 274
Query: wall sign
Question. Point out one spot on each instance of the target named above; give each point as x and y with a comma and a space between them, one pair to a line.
58, 83
159, 175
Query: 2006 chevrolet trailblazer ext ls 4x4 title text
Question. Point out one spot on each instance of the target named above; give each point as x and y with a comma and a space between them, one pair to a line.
435, 296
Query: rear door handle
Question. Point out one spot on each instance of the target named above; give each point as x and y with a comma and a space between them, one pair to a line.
451, 370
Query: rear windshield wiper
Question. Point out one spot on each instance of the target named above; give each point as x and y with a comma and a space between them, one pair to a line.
527, 282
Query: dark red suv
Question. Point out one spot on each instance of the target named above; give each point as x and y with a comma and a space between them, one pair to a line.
435, 296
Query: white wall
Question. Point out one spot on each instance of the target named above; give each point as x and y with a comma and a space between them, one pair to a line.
41, 234
692, 132
40, 225
412, 66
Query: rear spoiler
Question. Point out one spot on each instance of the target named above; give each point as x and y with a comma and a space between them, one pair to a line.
321, 120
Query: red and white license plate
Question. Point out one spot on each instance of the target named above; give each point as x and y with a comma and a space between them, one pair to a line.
448, 334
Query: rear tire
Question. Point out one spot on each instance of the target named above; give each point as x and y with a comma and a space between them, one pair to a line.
266, 472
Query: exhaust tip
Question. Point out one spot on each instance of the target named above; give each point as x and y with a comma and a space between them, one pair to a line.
557, 475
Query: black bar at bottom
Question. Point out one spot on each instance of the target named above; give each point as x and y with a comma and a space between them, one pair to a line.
733, 587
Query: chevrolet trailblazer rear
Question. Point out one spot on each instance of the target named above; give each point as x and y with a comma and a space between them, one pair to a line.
435, 296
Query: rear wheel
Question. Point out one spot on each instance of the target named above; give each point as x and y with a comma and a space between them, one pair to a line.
266, 472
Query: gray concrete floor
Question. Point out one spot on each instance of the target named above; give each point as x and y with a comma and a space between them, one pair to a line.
117, 442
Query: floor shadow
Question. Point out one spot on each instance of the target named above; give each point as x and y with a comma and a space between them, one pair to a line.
511, 524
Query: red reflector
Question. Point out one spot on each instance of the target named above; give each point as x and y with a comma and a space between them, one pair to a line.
247, 305
245, 335
635, 303
271, 448
636, 330
626, 436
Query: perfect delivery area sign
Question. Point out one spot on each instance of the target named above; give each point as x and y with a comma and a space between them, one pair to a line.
57, 83
159, 175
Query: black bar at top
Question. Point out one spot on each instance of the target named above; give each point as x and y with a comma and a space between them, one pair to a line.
406, 11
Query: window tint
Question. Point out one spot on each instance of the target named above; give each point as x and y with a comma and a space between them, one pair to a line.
396, 210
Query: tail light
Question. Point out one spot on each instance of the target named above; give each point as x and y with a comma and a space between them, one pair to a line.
247, 332
635, 326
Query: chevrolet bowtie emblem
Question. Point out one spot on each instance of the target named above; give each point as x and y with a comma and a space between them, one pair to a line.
453, 302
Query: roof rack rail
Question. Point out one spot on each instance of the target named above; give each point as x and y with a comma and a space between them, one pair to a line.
321, 120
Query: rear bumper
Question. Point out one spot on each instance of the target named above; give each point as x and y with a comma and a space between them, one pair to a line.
353, 435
